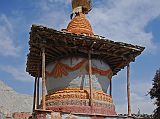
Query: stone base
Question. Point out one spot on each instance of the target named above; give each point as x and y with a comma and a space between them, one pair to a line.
60, 115
84, 110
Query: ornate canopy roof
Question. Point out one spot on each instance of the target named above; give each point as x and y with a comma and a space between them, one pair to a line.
59, 44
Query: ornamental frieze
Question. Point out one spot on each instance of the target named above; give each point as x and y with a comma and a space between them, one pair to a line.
79, 102
78, 94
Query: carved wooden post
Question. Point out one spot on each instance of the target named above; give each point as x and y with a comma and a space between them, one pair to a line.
128, 90
90, 78
34, 98
43, 80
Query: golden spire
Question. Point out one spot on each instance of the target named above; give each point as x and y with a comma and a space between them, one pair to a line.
79, 24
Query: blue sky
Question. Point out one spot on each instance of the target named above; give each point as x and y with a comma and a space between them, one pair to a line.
130, 21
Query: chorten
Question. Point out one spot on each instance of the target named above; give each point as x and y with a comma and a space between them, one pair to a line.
76, 68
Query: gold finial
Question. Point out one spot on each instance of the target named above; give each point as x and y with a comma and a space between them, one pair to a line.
79, 24
83, 6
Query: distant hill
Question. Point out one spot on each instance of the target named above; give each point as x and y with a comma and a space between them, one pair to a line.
11, 101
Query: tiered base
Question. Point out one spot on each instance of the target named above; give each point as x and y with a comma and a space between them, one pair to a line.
76, 101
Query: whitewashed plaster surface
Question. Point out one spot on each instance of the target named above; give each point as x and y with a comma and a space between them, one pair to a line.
78, 78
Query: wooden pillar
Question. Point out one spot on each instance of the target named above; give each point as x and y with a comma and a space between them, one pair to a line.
43, 80
35, 95
90, 79
128, 90
38, 81
110, 89
38, 93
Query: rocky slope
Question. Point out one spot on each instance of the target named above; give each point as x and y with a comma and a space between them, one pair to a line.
11, 101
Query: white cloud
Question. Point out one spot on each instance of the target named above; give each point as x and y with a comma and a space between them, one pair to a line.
139, 97
137, 102
54, 13
126, 20
7, 45
142, 102
17, 73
